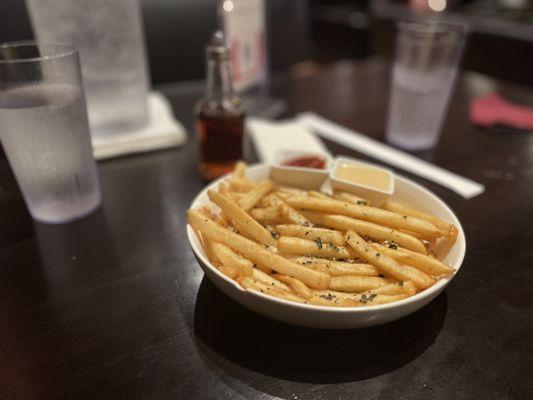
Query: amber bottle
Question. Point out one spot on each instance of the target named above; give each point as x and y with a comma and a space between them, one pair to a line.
220, 115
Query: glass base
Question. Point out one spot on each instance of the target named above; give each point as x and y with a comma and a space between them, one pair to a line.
412, 144
62, 219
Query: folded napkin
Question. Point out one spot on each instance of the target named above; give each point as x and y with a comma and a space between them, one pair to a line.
161, 132
270, 137
493, 110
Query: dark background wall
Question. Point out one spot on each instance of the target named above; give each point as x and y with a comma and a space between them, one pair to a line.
500, 43
177, 31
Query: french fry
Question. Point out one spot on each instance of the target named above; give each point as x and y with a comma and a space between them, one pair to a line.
238, 180
351, 198
233, 195
297, 286
233, 228
338, 268
220, 220
446, 229
292, 245
282, 195
225, 190
251, 198
320, 195
210, 214
332, 302
419, 236
237, 195
242, 221
271, 200
354, 283
367, 229
388, 265
255, 252
264, 269
409, 288
290, 191
273, 232
366, 213
240, 170
269, 279
375, 300
362, 299
258, 286
207, 211
390, 289
292, 215
423, 262
241, 184
402, 287
311, 233
284, 210
230, 259
228, 271
206, 245
267, 215
333, 294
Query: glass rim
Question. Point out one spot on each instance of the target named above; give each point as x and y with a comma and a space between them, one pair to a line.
49, 51
431, 33
435, 27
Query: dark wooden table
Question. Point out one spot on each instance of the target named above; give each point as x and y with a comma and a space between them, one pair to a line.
115, 305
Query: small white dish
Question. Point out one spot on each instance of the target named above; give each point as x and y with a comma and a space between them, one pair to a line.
407, 192
300, 177
360, 184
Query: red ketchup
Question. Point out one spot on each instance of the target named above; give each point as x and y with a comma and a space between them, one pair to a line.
307, 162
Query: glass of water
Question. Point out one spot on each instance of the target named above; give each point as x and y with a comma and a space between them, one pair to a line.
425, 67
45, 132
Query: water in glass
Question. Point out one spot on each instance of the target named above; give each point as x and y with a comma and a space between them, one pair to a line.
44, 130
417, 106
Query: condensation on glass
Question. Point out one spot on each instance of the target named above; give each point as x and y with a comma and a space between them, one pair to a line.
109, 37
45, 132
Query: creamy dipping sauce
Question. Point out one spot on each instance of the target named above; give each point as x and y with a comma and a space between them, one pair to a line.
364, 175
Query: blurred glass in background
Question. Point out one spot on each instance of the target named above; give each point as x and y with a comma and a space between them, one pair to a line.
109, 37
424, 72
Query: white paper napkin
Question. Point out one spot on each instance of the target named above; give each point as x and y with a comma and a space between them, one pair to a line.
161, 132
270, 137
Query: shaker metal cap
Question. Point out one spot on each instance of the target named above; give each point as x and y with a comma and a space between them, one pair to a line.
217, 47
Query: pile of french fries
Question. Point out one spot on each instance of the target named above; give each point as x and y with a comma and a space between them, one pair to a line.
315, 248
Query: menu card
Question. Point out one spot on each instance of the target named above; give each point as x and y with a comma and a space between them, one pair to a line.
243, 22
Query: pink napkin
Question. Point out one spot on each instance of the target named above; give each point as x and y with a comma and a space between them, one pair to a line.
493, 110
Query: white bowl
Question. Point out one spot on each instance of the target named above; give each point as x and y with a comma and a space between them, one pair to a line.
313, 316
300, 177
376, 196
